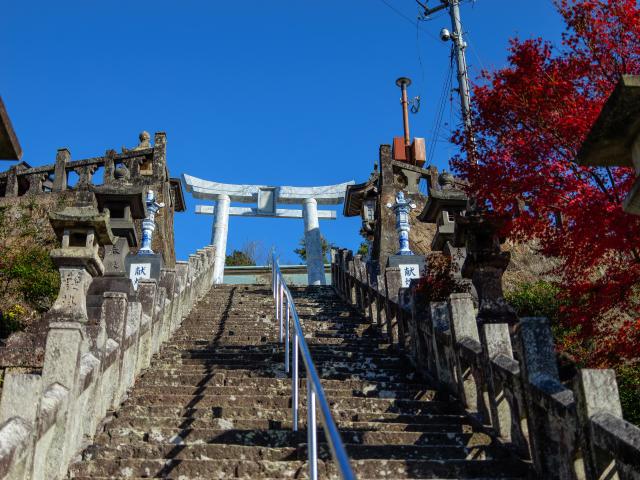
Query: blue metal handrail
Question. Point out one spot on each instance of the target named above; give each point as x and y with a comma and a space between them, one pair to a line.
285, 309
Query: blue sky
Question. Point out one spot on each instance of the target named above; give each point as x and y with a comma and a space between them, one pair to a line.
276, 92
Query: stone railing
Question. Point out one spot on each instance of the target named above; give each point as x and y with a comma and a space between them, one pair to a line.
143, 164
502, 370
90, 363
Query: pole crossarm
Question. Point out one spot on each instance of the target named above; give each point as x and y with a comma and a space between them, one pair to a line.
254, 212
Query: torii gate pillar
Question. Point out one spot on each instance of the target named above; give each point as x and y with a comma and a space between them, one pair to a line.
219, 236
313, 243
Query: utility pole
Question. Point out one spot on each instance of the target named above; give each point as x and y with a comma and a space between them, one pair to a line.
459, 45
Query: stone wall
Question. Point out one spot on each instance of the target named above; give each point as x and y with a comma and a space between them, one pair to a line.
89, 364
500, 368
28, 195
52, 185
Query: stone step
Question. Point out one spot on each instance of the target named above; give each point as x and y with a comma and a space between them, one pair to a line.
285, 414
277, 371
216, 356
219, 469
363, 343
273, 437
358, 351
229, 452
194, 469
187, 380
391, 405
322, 365
284, 423
285, 390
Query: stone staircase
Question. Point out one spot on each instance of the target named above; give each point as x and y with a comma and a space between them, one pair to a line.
215, 403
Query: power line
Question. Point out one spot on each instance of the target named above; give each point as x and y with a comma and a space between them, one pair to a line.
408, 19
437, 125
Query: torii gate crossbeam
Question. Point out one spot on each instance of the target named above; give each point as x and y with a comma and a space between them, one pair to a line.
267, 199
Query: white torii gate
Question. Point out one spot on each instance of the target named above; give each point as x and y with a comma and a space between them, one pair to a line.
267, 200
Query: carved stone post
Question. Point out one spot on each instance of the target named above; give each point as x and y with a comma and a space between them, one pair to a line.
60, 173
85, 174
12, 183
35, 183
540, 377
393, 284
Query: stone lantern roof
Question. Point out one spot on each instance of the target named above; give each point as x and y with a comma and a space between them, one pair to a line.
446, 198
356, 194
614, 139
612, 136
84, 217
80, 230
125, 203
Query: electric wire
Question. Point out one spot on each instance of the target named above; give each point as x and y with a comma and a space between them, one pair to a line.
408, 19
437, 125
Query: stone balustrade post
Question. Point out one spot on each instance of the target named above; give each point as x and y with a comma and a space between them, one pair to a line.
146, 297
16, 436
381, 291
35, 183
21, 393
182, 271
393, 283
158, 314
113, 317
12, 183
63, 157
597, 394
550, 404
168, 282
359, 287
131, 347
66, 343
472, 381
439, 317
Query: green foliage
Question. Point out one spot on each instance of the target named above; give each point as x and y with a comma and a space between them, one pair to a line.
541, 299
35, 275
628, 377
302, 251
11, 320
536, 299
363, 249
238, 259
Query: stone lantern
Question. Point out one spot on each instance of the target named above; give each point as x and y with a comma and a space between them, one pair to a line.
81, 230
441, 208
614, 139
485, 264
123, 203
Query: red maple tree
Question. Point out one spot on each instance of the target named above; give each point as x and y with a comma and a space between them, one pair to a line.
530, 119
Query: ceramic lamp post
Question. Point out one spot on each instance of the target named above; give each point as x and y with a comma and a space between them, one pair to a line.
402, 208
149, 223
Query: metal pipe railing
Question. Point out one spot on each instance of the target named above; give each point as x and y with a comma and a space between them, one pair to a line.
286, 312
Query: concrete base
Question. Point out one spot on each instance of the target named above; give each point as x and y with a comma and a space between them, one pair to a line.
144, 267
398, 260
